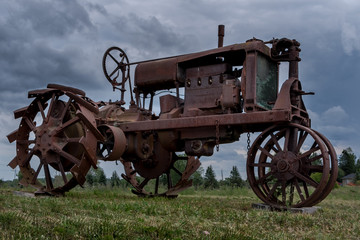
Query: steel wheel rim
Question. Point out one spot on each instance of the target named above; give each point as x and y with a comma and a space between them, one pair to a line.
273, 174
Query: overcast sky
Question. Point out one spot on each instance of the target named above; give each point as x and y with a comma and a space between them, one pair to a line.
63, 42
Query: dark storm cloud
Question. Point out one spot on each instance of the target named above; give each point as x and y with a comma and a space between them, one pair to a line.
54, 18
32, 44
150, 37
35, 65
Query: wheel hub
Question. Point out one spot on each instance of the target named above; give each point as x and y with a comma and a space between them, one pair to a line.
45, 137
283, 164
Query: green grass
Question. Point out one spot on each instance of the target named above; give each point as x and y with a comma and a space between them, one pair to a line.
223, 214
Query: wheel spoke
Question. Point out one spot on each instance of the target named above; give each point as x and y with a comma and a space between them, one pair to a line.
317, 157
68, 156
263, 178
122, 59
315, 168
270, 194
50, 107
41, 110
299, 189
309, 152
37, 173
30, 123
265, 164
116, 69
305, 179
264, 151
115, 60
302, 138
274, 149
306, 190
143, 183
61, 168
49, 184
314, 144
66, 124
65, 109
276, 143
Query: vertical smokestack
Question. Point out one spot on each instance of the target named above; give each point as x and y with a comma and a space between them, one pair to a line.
221, 33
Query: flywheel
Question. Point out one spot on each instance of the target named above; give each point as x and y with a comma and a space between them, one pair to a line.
160, 168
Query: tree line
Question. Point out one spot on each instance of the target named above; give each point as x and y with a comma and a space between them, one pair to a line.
207, 180
348, 163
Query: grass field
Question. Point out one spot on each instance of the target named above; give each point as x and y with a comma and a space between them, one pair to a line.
218, 214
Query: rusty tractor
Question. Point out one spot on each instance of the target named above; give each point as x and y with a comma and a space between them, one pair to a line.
206, 99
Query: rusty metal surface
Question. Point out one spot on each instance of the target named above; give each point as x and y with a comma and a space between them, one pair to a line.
266, 118
227, 91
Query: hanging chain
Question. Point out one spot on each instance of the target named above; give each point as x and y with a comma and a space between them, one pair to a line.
217, 135
248, 141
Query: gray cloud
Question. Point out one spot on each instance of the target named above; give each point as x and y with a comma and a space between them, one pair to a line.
54, 18
150, 37
33, 44
350, 37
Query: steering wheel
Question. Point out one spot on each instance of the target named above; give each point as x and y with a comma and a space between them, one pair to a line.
114, 61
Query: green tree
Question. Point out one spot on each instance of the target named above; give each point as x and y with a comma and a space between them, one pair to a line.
210, 178
90, 177
115, 180
235, 178
100, 176
347, 161
197, 178
20, 176
96, 177
341, 174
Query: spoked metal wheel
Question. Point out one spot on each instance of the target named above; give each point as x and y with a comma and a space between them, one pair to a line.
56, 140
282, 163
158, 168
